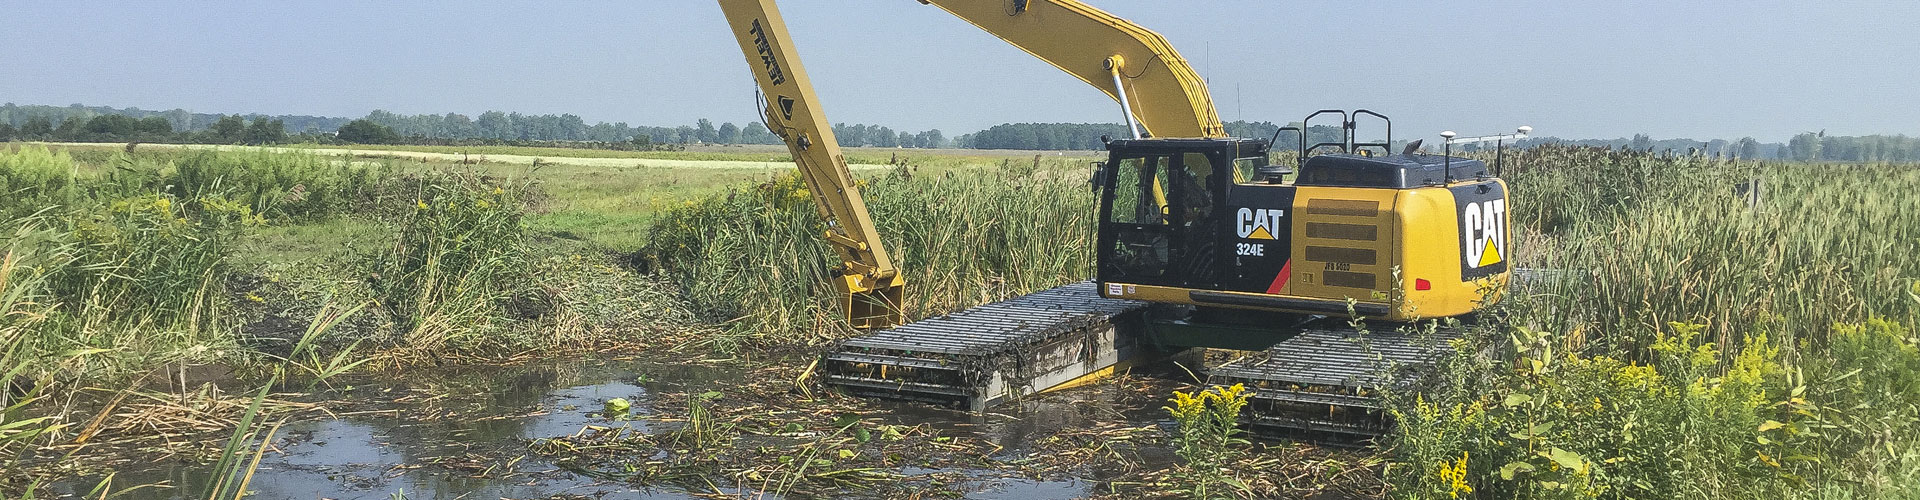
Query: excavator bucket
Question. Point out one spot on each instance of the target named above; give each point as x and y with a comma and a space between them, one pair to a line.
871, 308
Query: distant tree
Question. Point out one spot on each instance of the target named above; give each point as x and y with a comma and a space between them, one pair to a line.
729, 133
458, 125
112, 126
367, 132
705, 133
38, 127
757, 133
69, 129
156, 125
493, 125
905, 140
264, 131
1804, 146
1641, 142
1747, 148
935, 140
570, 128
686, 134
7, 132
228, 129
179, 119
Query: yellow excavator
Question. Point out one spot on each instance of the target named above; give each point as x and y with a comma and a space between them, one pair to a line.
1202, 243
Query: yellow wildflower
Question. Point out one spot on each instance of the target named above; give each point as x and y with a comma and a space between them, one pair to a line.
1454, 476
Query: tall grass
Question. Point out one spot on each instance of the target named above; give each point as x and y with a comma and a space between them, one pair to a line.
755, 259
1829, 243
1696, 347
459, 262
277, 185
24, 306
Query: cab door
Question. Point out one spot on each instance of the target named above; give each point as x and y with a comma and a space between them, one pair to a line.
1157, 220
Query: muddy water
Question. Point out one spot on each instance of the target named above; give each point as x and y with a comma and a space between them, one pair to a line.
465, 433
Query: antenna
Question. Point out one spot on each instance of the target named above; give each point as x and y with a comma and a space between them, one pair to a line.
1446, 137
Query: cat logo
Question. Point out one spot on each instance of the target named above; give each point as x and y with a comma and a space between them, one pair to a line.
1483, 233
786, 108
1259, 223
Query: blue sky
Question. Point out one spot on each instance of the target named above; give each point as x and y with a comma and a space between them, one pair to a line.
1707, 69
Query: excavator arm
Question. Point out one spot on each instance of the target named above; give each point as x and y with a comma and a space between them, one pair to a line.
1130, 63
869, 284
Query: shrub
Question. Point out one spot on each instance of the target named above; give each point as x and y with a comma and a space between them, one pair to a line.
33, 178
153, 257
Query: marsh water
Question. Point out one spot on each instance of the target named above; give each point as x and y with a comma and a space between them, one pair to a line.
465, 433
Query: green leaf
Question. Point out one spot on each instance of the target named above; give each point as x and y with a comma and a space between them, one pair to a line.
1237, 483
862, 435
1517, 399
1507, 471
846, 453
1770, 425
1566, 458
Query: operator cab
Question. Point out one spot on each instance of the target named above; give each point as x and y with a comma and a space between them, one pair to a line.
1212, 223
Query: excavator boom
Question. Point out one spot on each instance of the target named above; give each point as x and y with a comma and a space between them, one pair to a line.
869, 283
1167, 97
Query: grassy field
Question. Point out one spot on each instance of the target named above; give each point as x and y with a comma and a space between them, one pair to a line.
1702, 348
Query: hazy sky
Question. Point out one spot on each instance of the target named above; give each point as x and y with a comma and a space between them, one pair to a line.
1700, 69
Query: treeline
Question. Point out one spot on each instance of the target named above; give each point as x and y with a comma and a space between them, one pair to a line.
1086, 136
1806, 146
107, 124
568, 127
70, 123
1820, 146
179, 120
1745, 147
503, 125
230, 129
857, 135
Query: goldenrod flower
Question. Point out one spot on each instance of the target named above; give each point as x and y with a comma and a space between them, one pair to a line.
1455, 476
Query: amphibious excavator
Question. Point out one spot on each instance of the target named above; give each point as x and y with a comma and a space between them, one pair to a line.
1203, 243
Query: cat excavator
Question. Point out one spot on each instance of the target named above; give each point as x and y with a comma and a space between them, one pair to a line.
1202, 242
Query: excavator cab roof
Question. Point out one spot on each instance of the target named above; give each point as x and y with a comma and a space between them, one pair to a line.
1233, 147
1397, 171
